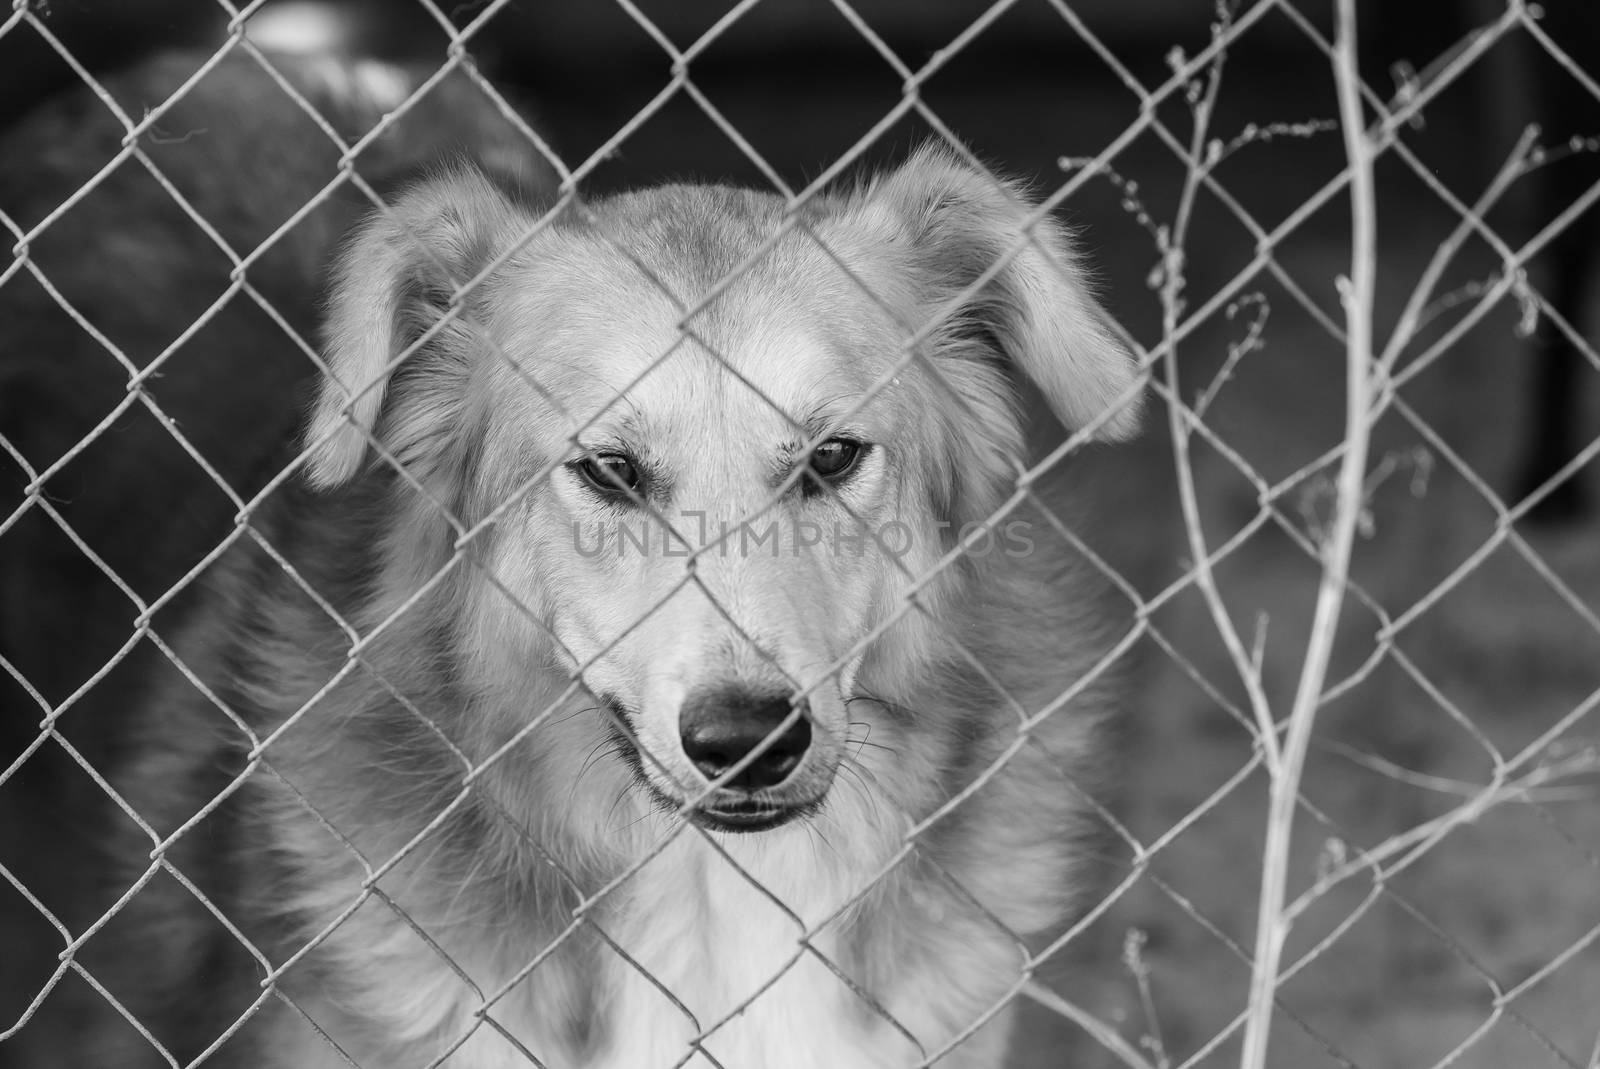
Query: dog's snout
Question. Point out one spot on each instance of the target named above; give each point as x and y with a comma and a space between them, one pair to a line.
721, 728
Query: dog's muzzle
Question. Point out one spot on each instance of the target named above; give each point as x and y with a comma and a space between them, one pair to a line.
751, 744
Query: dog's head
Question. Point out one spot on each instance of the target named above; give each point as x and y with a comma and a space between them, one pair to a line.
710, 453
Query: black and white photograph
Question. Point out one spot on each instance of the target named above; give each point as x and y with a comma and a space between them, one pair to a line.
799, 534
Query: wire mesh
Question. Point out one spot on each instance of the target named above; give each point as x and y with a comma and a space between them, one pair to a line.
1351, 823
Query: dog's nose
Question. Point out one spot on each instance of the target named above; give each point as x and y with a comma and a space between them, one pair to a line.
720, 728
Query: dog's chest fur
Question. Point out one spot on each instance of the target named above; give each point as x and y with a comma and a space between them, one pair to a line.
736, 954
692, 924
688, 923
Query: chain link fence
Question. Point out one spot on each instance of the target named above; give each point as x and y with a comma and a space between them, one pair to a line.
1351, 586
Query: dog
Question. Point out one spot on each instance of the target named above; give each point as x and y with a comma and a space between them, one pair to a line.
654, 655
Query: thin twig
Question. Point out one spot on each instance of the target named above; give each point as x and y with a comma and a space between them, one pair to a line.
1272, 925
1104, 1033
1412, 318
1179, 420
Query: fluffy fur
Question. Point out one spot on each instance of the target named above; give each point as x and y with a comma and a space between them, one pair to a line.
425, 761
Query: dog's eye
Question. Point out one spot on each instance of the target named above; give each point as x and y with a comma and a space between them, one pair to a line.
832, 460
834, 457
613, 473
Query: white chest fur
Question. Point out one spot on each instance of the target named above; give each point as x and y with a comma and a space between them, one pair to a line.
708, 970
728, 945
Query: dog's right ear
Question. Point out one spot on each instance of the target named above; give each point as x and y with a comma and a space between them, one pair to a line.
394, 334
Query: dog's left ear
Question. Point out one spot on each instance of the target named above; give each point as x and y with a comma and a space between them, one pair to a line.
959, 224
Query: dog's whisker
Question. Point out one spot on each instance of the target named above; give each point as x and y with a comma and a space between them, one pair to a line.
860, 778
864, 742
815, 834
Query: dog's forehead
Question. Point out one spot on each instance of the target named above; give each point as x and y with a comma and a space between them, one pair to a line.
750, 384
691, 312
760, 382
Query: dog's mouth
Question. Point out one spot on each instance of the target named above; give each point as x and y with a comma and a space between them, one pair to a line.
723, 810
736, 813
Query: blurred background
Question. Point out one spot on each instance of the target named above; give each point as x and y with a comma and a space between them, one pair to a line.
1474, 642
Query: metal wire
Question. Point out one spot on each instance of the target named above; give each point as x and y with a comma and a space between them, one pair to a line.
1155, 616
